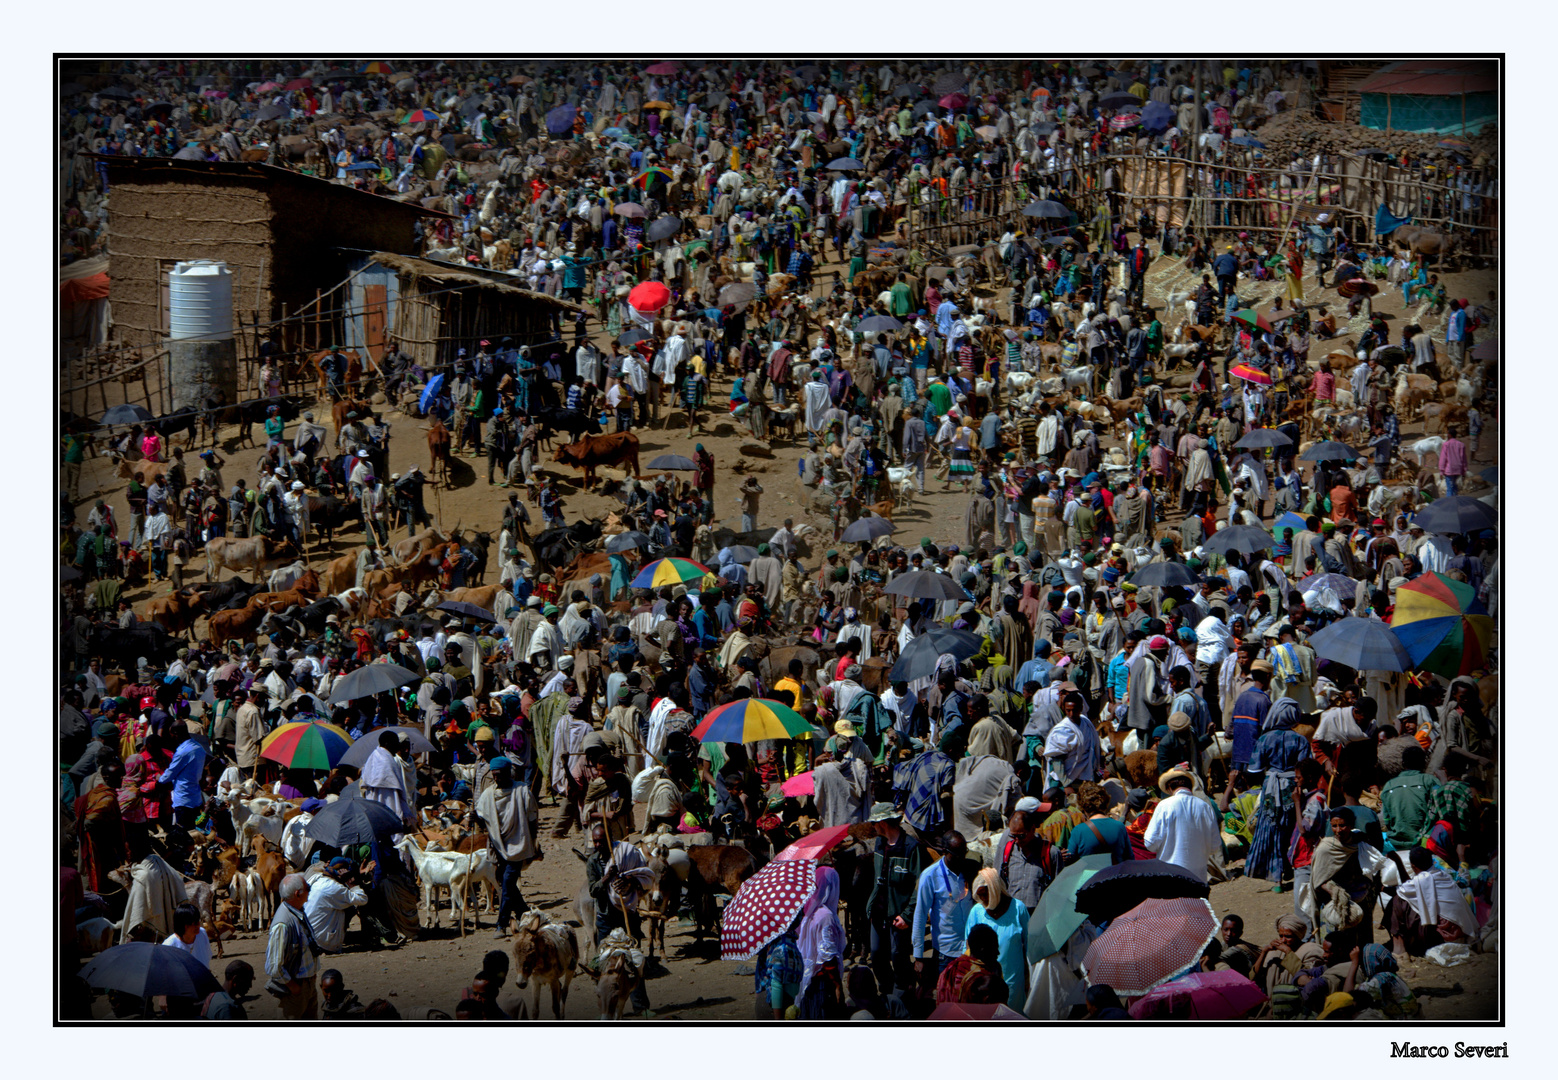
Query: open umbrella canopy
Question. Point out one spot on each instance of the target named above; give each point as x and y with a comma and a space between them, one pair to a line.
1245, 538
663, 228
1356, 286
1163, 573
1489, 476
315, 745
629, 210
420, 116
765, 906
126, 414
298, 84
1119, 99
1250, 373
1201, 995
632, 540
948, 82
1457, 514
377, 67
1124, 121
815, 845
1444, 627
669, 571
142, 969
626, 338
648, 296
560, 120
751, 719
368, 680
878, 324
1157, 116
1253, 318
1329, 450
920, 657
1150, 944
1340, 584
1047, 208
954, 100
674, 462
926, 585
365, 746
272, 112
1362, 644
799, 786
470, 611
189, 153
987, 133
1113, 891
651, 175
664, 67
924, 108
353, 821
657, 104
845, 164
737, 295
1056, 917
867, 529
1262, 439
736, 553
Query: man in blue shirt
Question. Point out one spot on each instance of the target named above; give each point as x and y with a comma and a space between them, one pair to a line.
1226, 267
183, 775
1455, 333
942, 902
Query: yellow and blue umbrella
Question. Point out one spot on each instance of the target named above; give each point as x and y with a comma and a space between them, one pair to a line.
314, 745
750, 720
1443, 626
669, 571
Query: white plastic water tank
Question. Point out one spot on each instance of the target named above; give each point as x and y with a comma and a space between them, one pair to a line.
200, 301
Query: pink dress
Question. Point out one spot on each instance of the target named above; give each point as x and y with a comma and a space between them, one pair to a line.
151, 447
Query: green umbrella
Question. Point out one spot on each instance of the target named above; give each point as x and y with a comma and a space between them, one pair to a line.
1056, 918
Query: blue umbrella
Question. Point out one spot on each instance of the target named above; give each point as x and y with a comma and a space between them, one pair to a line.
878, 324
560, 120
1245, 140
1362, 644
867, 529
920, 657
845, 164
126, 414
1164, 574
143, 970
1289, 520
1157, 116
1458, 514
362, 166
353, 821
434, 387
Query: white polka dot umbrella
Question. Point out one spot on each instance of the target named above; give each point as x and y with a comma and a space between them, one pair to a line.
764, 907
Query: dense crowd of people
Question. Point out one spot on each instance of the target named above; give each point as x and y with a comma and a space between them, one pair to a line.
1106, 678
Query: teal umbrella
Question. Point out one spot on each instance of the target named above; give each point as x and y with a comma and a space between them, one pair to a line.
1056, 918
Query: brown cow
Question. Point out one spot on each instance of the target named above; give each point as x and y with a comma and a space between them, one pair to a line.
316, 361
341, 411
304, 591
175, 612
238, 624
593, 451
715, 868
251, 553
480, 595
340, 574
438, 452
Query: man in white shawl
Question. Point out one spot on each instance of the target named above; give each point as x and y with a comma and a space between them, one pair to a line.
1071, 749
385, 781
842, 791
1429, 909
155, 890
559, 677
546, 643
567, 772
817, 402
508, 810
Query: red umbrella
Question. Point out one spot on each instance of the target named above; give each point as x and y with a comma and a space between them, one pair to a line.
664, 67
1150, 944
765, 906
648, 296
798, 786
299, 84
954, 101
1250, 373
957, 1010
815, 845
1204, 995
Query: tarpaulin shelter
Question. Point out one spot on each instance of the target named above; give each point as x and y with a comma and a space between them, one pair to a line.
85, 317
1430, 95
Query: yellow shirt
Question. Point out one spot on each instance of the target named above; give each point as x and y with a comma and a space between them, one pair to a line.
790, 684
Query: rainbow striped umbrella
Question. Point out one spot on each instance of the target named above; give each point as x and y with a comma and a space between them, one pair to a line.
314, 745
1250, 373
750, 720
420, 116
1443, 626
378, 67
668, 572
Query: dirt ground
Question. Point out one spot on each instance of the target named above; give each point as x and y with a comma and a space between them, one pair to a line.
695, 984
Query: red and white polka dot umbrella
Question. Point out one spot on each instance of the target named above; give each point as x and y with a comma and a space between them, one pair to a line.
1150, 944
764, 907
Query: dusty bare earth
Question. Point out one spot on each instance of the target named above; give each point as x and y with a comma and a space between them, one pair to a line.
696, 984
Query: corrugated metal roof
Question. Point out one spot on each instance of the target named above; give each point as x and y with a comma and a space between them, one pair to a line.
1433, 77
475, 277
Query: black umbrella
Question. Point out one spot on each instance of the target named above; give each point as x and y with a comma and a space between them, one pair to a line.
272, 112
69, 574
737, 295
470, 611
1164, 574
926, 107
1119, 99
560, 120
906, 91
116, 92
1047, 208
1261, 438
926, 585
845, 164
126, 414
1111, 893
878, 324
674, 462
353, 821
663, 228
631, 540
1329, 450
1245, 538
867, 529
1361, 644
164, 107
633, 336
142, 969
357, 754
368, 680
921, 656
1460, 514
948, 83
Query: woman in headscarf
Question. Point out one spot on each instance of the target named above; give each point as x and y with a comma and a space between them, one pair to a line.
132, 805
100, 829
1277, 754
1008, 917
975, 978
822, 943
1381, 987
1280, 962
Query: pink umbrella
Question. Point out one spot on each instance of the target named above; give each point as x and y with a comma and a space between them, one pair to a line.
299, 84
1150, 944
664, 67
799, 786
264, 87
954, 101
648, 296
815, 845
765, 906
1129, 120
1204, 995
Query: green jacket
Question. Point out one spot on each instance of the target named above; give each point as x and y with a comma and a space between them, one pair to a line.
1404, 807
895, 879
